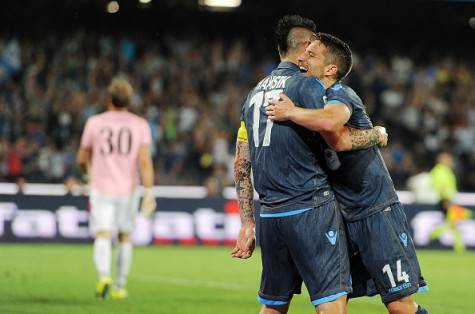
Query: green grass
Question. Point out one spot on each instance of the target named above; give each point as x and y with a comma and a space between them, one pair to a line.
189, 280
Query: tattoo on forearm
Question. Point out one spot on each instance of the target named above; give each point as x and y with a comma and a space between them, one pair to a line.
363, 138
242, 178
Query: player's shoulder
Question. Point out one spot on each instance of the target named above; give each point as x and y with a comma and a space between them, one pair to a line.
248, 97
304, 83
259, 87
94, 119
301, 79
350, 91
343, 91
137, 119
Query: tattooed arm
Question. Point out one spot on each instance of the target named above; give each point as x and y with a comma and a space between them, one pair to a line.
329, 122
347, 138
366, 138
242, 178
246, 240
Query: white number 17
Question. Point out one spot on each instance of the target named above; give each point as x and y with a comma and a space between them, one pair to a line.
258, 100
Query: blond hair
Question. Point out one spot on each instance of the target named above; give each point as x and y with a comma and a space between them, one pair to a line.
120, 92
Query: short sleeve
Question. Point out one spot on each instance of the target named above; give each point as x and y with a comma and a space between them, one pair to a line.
338, 96
244, 105
146, 135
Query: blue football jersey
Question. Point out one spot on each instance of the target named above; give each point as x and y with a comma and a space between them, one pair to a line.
286, 161
360, 179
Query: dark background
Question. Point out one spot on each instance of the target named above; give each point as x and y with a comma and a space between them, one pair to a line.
385, 26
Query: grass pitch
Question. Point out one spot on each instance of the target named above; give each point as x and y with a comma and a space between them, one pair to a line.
190, 280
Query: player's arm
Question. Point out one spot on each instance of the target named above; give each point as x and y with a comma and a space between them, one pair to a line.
328, 119
83, 158
146, 167
147, 175
346, 138
329, 122
246, 242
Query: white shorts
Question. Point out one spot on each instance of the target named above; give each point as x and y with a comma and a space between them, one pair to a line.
113, 213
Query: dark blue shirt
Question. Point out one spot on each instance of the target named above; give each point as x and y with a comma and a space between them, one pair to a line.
286, 159
360, 179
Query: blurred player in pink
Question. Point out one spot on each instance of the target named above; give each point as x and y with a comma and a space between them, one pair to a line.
115, 145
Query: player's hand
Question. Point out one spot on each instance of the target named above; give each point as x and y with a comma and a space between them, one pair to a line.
382, 136
246, 241
148, 203
280, 109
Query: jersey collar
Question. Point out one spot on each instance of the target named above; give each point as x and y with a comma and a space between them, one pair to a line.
336, 86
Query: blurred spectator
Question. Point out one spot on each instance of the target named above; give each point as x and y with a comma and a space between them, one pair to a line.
191, 90
213, 187
14, 161
73, 186
20, 183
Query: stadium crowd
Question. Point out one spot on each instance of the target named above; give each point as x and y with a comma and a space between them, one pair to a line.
190, 90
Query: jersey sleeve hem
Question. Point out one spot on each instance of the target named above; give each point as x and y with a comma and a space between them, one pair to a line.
339, 102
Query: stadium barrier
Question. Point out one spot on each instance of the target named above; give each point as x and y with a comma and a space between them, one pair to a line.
185, 216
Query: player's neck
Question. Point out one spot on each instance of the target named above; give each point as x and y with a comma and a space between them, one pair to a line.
328, 82
292, 59
116, 109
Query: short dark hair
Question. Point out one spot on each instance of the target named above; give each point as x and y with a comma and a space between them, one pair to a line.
285, 25
340, 53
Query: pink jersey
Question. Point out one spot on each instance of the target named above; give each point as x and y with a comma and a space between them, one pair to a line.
115, 138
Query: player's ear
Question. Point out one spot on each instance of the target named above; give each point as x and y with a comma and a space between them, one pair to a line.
331, 70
